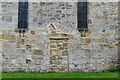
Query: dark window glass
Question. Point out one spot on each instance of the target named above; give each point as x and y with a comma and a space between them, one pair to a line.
23, 15
82, 15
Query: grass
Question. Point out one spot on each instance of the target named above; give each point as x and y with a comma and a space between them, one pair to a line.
60, 75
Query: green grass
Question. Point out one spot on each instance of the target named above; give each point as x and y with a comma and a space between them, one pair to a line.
60, 75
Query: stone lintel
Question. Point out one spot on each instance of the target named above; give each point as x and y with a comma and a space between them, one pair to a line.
60, 36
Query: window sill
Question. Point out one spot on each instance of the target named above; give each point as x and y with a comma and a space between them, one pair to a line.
21, 30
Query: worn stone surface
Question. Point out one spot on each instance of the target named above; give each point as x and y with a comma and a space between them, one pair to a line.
58, 49
66, 49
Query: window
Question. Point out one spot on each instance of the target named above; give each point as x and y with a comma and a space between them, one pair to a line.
82, 8
23, 15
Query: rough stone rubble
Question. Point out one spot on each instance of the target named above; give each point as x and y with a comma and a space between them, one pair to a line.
66, 50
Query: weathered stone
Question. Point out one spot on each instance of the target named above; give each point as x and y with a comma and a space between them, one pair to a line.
64, 53
38, 52
53, 45
64, 47
2, 36
88, 40
28, 46
32, 32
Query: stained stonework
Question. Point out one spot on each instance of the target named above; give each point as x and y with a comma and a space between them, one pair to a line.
67, 48
59, 52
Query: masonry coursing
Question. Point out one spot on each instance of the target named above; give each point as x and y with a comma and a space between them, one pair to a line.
65, 50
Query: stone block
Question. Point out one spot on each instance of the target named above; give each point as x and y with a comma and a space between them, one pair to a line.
28, 46
38, 52
88, 40
64, 53
95, 50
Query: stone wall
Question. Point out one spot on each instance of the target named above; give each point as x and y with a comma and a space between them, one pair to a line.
98, 50
95, 50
